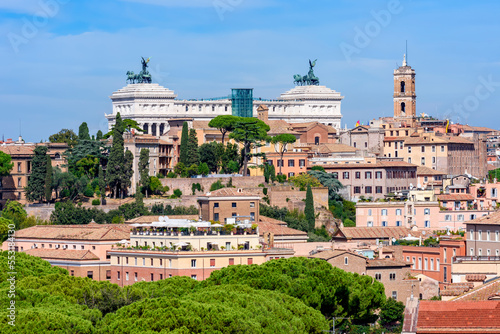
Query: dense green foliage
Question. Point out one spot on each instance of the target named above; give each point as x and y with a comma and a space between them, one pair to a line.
143, 168
392, 314
165, 210
302, 181
83, 132
216, 185
309, 209
5, 164
64, 136
316, 282
193, 156
250, 132
225, 124
184, 144
35, 191
281, 296
116, 163
48, 179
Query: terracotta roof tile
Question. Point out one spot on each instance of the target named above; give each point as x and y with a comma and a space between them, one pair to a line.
422, 170
18, 150
374, 232
386, 263
150, 219
455, 197
482, 292
329, 254
229, 192
62, 254
76, 232
334, 148
277, 227
493, 218
458, 317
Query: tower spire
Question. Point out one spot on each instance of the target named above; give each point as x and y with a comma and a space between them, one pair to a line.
404, 59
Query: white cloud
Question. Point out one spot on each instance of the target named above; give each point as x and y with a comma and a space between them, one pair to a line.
21, 7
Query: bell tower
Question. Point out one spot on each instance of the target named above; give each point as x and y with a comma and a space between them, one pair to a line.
404, 92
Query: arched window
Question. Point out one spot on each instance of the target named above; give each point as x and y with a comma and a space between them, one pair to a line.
57, 156
403, 107
402, 86
146, 126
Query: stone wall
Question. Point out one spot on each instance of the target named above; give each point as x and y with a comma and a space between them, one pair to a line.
184, 184
278, 196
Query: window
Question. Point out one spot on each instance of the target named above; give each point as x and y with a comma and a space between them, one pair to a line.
316, 140
233, 205
378, 175
384, 223
488, 252
346, 261
427, 224
358, 175
487, 235
252, 204
90, 274
442, 148
345, 175
437, 264
368, 190
460, 218
402, 86
252, 216
394, 295
432, 264
369, 212
161, 262
118, 260
291, 174
135, 276
497, 236
117, 274
409, 149
392, 276
426, 179
425, 264
126, 276
368, 175
422, 161
419, 263
193, 263
216, 216
378, 189
480, 252
212, 263
194, 277
378, 276
433, 148
479, 235
422, 149
433, 160
414, 263
472, 216
250, 260
161, 276
447, 218
231, 261
398, 212
19, 183
270, 162
369, 224
143, 261
291, 163
398, 223
279, 163
384, 212
403, 107
216, 205
302, 162
357, 190
151, 262
471, 235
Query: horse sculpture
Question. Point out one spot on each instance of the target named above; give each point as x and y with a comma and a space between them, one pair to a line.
143, 76
309, 79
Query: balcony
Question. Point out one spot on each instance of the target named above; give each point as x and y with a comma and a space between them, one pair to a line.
460, 259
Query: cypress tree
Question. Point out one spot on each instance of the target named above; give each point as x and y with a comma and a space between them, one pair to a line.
115, 167
128, 170
309, 209
83, 132
48, 179
144, 170
102, 184
193, 156
184, 144
99, 135
35, 191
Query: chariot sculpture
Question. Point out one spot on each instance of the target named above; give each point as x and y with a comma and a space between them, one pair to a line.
309, 79
143, 76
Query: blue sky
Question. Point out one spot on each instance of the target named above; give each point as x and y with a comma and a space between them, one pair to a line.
62, 59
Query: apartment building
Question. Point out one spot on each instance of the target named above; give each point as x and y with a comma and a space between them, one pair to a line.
223, 204
374, 180
12, 186
80, 249
179, 247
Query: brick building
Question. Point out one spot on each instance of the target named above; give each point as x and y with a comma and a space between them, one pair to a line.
12, 186
365, 138
394, 275
219, 205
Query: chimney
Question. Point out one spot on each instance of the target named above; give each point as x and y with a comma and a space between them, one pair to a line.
263, 113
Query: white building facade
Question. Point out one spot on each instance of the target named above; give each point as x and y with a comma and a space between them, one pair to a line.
152, 105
